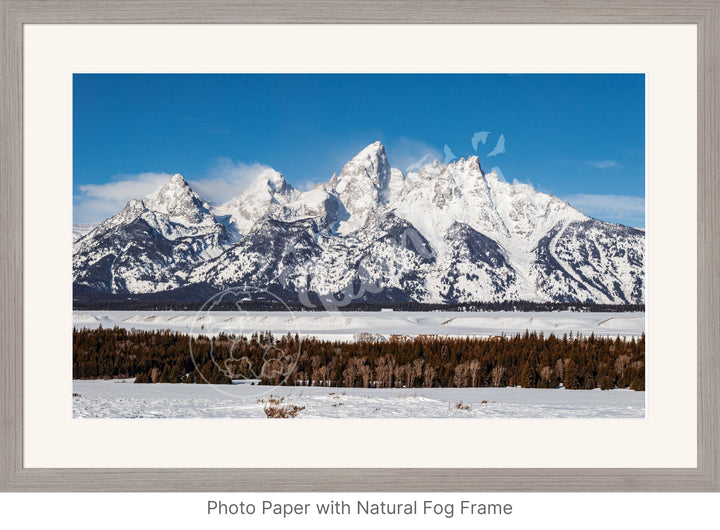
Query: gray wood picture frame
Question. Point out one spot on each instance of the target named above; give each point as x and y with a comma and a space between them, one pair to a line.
15, 13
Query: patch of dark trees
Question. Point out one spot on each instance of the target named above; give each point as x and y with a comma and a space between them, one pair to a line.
154, 302
529, 360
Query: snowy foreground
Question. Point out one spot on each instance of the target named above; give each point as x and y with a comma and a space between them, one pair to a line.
348, 325
124, 399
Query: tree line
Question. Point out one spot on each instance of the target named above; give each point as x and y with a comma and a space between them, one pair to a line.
530, 360
148, 302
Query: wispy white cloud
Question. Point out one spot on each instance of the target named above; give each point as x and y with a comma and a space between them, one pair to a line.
226, 179
623, 209
97, 202
223, 181
410, 154
125, 187
419, 163
603, 164
306, 185
525, 182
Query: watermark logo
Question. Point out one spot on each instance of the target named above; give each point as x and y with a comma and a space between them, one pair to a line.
229, 344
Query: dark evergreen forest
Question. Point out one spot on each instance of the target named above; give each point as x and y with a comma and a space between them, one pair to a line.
152, 303
529, 360
168, 302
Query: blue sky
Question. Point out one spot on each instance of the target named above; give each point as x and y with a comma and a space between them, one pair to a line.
579, 137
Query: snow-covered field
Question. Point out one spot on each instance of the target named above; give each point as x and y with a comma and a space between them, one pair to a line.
118, 399
345, 326
124, 399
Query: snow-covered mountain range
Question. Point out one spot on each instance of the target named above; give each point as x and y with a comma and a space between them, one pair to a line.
443, 234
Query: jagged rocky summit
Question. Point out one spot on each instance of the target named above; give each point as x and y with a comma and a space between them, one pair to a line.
442, 234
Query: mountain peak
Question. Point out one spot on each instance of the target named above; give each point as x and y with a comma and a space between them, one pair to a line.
363, 182
177, 199
176, 185
470, 163
371, 163
177, 180
375, 152
373, 148
269, 182
269, 189
474, 161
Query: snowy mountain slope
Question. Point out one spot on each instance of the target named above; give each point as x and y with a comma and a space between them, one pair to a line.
272, 249
268, 191
592, 259
443, 233
475, 260
150, 245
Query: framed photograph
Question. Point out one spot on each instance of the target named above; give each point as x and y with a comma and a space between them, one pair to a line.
251, 248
